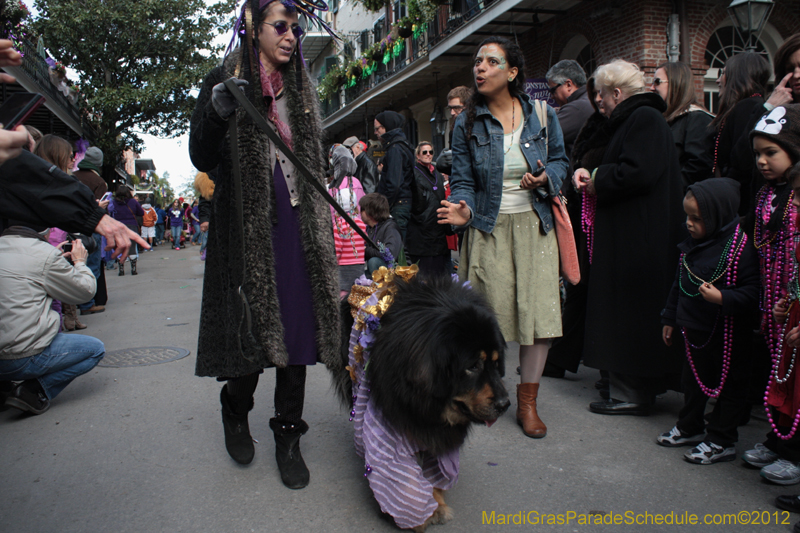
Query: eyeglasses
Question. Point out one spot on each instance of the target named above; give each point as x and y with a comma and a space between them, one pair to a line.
426, 152
456, 107
281, 27
720, 73
658, 81
554, 87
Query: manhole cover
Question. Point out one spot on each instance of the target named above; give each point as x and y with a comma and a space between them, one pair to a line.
154, 355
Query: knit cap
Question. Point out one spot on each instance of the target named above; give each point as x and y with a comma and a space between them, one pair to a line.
390, 120
92, 160
782, 126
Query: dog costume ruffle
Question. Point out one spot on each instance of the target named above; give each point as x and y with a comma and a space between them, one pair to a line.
401, 474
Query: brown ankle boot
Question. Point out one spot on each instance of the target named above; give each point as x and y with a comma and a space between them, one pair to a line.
527, 417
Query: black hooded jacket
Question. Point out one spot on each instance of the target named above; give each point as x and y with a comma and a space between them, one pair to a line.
718, 202
398, 167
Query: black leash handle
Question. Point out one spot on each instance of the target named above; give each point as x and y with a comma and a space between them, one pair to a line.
275, 138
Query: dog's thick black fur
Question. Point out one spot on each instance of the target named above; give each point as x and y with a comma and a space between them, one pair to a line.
436, 364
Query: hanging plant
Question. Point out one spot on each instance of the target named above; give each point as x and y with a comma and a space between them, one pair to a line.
355, 69
405, 27
374, 5
332, 82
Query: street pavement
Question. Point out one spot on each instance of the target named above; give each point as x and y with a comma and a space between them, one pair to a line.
141, 449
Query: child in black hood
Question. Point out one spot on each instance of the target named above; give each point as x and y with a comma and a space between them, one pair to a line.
714, 304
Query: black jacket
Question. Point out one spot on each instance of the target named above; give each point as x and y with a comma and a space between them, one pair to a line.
694, 141
398, 167
734, 152
572, 116
35, 191
385, 232
425, 237
367, 173
718, 200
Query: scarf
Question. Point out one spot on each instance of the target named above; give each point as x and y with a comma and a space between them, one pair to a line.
271, 85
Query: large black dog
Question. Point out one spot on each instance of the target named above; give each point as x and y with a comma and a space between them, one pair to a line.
434, 368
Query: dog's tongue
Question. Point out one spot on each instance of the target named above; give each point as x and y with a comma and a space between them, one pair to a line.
489, 423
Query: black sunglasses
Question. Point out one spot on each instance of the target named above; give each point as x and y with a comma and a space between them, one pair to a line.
426, 152
658, 81
554, 87
281, 27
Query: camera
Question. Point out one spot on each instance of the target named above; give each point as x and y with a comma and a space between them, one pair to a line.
67, 247
87, 241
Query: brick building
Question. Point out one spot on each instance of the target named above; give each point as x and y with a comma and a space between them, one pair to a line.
589, 31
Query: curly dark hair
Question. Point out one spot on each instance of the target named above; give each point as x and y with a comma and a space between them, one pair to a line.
514, 58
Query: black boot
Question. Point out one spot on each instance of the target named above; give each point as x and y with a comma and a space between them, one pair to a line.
121, 268
294, 473
133, 267
238, 441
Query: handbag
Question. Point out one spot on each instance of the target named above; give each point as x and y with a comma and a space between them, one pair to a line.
567, 250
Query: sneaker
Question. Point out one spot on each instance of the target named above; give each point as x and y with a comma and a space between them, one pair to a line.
760, 456
674, 437
782, 472
25, 399
707, 453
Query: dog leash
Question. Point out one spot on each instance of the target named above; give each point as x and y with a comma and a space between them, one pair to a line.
275, 138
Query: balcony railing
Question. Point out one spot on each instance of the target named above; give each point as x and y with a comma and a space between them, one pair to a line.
443, 25
37, 69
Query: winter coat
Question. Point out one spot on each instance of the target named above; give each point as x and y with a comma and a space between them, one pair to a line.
398, 168
162, 215
220, 352
32, 274
37, 192
385, 232
367, 173
694, 141
718, 201
425, 237
478, 163
92, 179
572, 116
638, 223
734, 154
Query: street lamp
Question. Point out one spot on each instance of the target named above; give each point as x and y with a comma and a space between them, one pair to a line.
749, 17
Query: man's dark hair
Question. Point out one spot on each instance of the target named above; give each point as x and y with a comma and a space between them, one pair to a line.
375, 205
566, 69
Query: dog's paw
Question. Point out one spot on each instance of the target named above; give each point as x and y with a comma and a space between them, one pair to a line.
442, 514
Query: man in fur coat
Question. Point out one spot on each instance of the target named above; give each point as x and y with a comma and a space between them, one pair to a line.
270, 292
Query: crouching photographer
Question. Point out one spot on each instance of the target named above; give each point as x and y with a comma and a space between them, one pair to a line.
36, 360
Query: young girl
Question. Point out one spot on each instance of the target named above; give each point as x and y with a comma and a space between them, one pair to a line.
776, 143
712, 305
347, 191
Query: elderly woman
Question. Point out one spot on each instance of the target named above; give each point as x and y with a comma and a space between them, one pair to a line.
632, 207
270, 292
688, 121
510, 252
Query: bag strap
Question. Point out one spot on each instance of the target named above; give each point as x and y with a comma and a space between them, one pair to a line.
541, 113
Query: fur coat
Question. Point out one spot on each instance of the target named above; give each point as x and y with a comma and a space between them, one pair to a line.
226, 346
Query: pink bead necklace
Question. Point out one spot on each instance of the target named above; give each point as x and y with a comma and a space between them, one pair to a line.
774, 250
774, 377
588, 210
732, 270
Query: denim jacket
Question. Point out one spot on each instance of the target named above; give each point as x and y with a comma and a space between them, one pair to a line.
477, 176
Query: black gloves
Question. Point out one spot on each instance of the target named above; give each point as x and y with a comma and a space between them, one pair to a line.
223, 101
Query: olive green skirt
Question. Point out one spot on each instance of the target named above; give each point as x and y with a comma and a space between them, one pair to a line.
516, 268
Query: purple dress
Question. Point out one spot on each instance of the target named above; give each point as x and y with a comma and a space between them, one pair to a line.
402, 487
291, 279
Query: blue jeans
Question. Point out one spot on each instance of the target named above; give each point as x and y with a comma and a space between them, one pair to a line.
93, 262
374, 264
197, 232
203, 240
176, 236
67, 357
159, 232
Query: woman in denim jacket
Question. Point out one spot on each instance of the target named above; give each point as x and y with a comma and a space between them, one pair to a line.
510, 252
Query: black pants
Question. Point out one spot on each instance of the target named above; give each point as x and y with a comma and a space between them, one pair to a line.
787, 449
436, 265
732, 405
290, 390
567, 350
